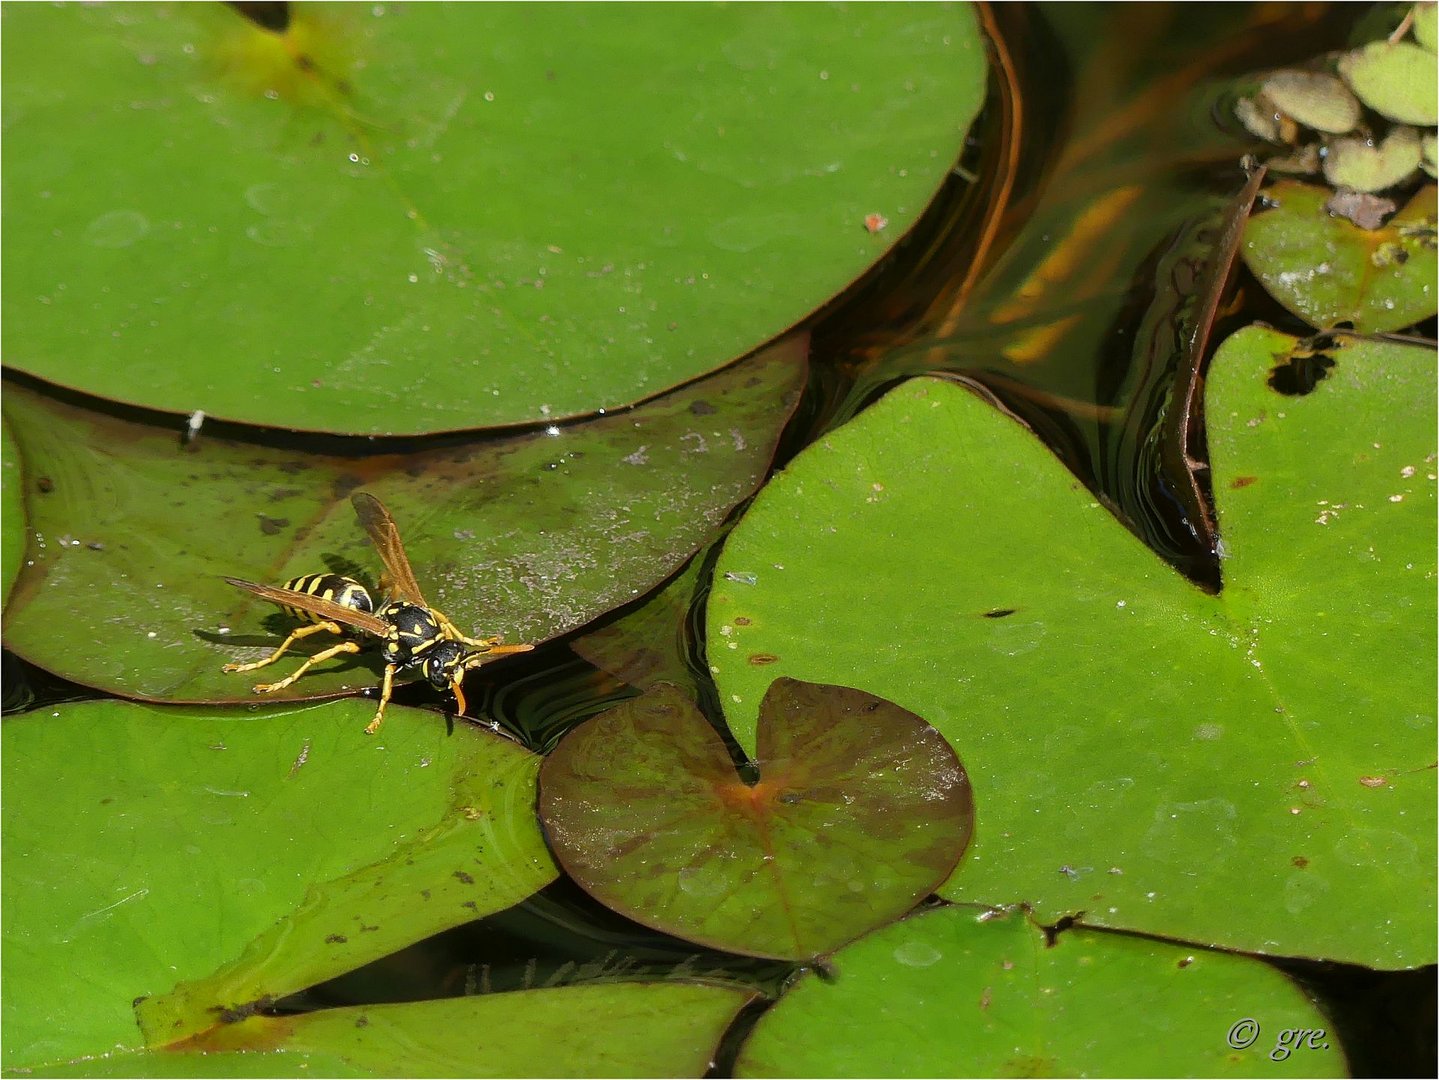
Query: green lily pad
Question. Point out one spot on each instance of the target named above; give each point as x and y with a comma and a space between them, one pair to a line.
1395, 79
640, 1029
1252, 769
527, 536
400, 219
204, 860
861, 809
1326, 270
12, 512
947, 993
634, 1029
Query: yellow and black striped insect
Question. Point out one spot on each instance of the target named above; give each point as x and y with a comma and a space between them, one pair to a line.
409, 630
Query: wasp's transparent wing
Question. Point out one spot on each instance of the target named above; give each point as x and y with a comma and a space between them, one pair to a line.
385, 535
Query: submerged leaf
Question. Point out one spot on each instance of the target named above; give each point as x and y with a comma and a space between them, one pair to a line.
861, 808
652, 643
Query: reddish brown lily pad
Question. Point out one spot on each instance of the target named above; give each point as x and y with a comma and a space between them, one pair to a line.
860, 811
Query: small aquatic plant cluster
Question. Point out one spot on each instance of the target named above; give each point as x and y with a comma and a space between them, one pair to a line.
1364, 119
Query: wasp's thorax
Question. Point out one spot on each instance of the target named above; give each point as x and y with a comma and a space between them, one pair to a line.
414, 631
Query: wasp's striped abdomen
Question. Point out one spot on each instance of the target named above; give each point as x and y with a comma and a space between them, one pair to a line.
347, 592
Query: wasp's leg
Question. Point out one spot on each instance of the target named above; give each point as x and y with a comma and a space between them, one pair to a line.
385, 688
459, 693
504, 650
452, 632
302, 632
318, 658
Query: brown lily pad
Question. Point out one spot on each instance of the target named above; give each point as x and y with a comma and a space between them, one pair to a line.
861, 809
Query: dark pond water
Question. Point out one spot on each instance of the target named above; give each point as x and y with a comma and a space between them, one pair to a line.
1064, 268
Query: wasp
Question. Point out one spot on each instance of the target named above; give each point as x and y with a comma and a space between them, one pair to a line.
409, 631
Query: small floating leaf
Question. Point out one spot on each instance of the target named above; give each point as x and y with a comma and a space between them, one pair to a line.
1259, 118
1327, 271
1425, 25
860, 810
1314, 99
1359, 165
1396, 80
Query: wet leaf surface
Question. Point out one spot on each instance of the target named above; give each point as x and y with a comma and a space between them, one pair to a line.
635, 1029
1252, 769
859, 811
638, 1029
950, 993
12, 513
526, 536
651, 644
206, 860
1326, 270
407, 219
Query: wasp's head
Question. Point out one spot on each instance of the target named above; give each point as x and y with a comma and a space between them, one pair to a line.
443, 662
